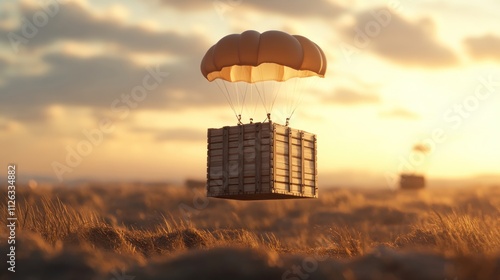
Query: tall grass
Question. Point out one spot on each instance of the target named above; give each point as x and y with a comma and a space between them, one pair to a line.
53, 219
342, 224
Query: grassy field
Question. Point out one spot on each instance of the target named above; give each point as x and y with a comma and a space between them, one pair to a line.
137, 231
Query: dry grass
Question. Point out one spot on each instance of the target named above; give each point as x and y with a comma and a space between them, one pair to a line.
109, 227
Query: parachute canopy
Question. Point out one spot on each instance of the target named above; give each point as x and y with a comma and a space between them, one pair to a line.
271, 56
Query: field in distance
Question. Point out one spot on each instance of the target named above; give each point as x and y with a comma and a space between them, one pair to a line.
141, 231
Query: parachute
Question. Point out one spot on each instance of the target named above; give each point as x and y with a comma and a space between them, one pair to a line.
268, 68
251, 66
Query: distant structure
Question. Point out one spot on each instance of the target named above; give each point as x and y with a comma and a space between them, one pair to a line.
411, 182
193, 184
414, 181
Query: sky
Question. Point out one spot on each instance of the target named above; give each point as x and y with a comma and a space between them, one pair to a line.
112, 90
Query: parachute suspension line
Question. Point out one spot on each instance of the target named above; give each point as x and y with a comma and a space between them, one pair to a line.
276, 93
267, 89
244, 98
263, 95
260, 96
236, 95
228, 97
294, 104
242, 104
231, 102
252, 95
289, 100
298, 103
239, 103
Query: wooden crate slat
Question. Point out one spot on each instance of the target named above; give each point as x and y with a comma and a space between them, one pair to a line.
283, 159
295, 168
214, 183
280, 185
308, 154
217, 152
286, 179
309, 183
308, 138
295, 174
247, 172
215, 139
215, 146
309, 191
215, 189
296, 188
309, 164
249, 188
214, 159
309, 176
214, 132
234, 143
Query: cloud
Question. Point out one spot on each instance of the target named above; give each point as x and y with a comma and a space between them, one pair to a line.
96, 82
173, 134
348, 96
296, 8
74, 22
400, 113
399, 40
9, 126
484, 47
3, 64
181, 134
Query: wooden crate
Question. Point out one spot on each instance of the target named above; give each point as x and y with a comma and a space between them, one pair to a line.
411, 182
261, 161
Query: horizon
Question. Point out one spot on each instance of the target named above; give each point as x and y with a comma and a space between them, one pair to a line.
376, 183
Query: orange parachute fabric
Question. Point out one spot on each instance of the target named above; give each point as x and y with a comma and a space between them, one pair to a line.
271, 56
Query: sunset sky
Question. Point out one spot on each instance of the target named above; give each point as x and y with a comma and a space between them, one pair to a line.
399, 73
